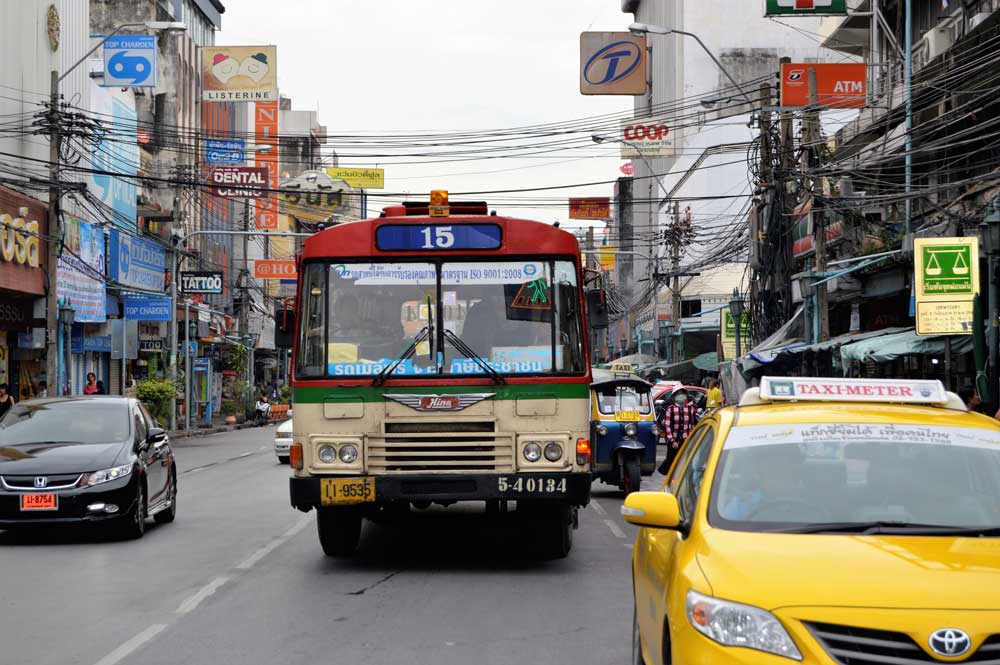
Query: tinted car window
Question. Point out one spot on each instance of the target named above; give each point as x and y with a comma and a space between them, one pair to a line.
92, 422
140, 427
150, 420
685, 452
694, 475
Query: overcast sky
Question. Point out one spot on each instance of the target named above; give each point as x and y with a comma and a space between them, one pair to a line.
440, 65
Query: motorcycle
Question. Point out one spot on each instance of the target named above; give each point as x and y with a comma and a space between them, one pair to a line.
262, 415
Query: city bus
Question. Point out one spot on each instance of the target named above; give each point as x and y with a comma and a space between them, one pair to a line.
485, 400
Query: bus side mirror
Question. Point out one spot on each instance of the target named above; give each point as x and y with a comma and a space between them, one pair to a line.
597, 309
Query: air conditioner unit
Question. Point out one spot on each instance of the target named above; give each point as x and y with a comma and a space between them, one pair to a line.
976, 20
938, 40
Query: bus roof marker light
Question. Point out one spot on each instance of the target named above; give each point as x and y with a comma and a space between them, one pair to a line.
439, 203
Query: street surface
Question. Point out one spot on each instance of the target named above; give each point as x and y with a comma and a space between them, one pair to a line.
240, 578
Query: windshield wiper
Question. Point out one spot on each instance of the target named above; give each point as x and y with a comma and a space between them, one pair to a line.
891, 527
423, 334
466, 351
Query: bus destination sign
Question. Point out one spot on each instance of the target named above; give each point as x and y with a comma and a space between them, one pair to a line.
437, 237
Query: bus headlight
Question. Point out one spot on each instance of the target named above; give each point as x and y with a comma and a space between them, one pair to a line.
348, 453
553, 451
602, 430
532, 451
327, 454
631, 429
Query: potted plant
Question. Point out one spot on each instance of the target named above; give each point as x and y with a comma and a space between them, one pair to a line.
230, 408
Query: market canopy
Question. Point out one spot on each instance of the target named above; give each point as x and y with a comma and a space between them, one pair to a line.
890, 347
707, 362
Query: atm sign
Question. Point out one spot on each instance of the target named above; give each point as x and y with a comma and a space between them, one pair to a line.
838, 85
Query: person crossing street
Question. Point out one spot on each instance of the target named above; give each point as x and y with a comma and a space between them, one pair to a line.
679, 419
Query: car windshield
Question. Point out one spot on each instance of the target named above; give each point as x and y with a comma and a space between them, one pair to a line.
778, 477
612, 400
459, 317
93, 422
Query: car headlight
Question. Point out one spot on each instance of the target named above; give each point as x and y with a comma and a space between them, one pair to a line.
532, 451
602, 430
738, 625
107, 475
348, 453
553, 451
631, 429
327, 453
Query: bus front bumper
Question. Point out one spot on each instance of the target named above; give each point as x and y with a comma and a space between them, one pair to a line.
568, 488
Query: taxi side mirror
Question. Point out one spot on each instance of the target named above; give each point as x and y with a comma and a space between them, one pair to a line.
658, 510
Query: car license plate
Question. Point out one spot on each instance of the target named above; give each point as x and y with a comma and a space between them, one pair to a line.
39, 502
343, 491
626, 416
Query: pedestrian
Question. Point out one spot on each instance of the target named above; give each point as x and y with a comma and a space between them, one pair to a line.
713, 398
6, 400
43, 389
679, 419
100, 389
91, 387
970, 397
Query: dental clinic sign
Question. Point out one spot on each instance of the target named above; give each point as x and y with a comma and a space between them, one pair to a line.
136, 262
805, 7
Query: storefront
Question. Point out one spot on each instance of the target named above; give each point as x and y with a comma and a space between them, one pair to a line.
23, 226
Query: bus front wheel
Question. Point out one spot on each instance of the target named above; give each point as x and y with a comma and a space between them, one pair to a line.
553, 529
339, 530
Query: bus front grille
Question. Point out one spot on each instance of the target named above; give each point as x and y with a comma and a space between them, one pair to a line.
440, 447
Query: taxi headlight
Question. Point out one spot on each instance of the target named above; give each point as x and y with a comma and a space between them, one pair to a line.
532, 451
348, 453
553, 451
602, 430
327, 453
738, 625
631, 429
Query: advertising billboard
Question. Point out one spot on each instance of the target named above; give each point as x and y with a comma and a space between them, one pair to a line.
114, 159
646, 137
593, 207
612, 63
805, 7
266, 134
240, 181
361, 178
838, 85
239, 74
80, 271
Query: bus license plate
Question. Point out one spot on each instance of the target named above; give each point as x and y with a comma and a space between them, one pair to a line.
343, 491
543, 486
39, 502
626, 416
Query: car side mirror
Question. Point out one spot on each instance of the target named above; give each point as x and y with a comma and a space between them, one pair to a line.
597, 310
156, 436
658, 510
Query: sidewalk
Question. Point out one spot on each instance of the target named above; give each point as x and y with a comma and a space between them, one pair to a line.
216, 428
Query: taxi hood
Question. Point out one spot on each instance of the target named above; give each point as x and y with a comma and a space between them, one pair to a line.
876, 571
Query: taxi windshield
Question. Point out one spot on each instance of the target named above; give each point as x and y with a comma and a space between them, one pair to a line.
779, 477
612, 400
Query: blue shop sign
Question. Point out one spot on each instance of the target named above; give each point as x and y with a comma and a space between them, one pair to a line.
136, 262
149, 308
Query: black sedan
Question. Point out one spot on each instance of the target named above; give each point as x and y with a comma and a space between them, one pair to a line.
85, 460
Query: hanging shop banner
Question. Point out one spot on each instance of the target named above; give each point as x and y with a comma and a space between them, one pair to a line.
612, 63
646, 137
201, 282
805, 7
270, 269
130, 61
607, 258
727, 333
239, 74
360, 178
596, 207
266, 134
80, 272
946, 282
314, 196
136, 262
838, 85
23, 222
240, 182
114, 158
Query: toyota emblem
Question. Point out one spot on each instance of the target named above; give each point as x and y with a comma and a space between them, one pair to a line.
949, 642
41, 482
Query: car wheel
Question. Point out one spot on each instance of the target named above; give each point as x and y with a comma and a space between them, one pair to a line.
339, 530
282, 459
168, 514
637, 658
133, 525
632, 475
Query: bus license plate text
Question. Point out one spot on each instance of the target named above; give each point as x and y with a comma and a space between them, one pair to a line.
343, 491
532, 485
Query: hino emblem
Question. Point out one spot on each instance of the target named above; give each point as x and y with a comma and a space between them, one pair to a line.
439, 402
950, 642
41, 482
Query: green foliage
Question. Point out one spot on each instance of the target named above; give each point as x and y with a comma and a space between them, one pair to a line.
285, 395
155, 393
231, 407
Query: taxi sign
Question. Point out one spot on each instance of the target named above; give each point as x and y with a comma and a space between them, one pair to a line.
621, 368
775, 388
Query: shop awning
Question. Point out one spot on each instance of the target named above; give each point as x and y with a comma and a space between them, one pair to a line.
707, 362
849, 338
890, 347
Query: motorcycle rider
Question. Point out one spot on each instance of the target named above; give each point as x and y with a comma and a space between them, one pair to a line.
263, 411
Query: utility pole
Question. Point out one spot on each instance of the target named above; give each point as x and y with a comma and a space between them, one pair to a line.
675, 290
245, 283
762, 290
53, 380
175, 220
783, 232
810, 159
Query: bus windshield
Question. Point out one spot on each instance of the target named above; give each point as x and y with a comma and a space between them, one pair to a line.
516, 317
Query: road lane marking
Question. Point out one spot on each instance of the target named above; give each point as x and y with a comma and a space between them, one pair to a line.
628, 545
131, 645
598, 508
614, 529
262, 552
192, 601
246, 454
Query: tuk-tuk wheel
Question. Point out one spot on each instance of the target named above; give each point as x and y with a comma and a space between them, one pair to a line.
631, 474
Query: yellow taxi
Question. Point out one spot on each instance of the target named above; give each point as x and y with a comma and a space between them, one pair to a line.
824, 521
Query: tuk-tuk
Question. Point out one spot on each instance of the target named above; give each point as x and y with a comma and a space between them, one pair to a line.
623, 429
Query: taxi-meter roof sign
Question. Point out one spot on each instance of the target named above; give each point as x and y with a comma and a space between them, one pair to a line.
774, 388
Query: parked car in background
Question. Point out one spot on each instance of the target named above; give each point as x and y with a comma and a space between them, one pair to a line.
85, 460
283, 439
